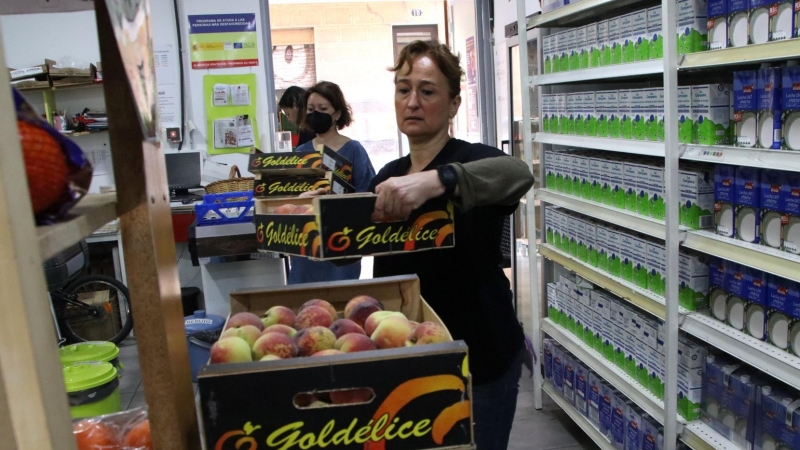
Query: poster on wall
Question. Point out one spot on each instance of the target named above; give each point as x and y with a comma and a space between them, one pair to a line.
472, 88
220, 41
230, 113
294, 65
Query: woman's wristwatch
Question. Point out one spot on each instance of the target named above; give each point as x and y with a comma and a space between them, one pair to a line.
449, 178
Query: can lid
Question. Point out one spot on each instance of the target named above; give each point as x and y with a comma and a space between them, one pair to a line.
88, 351
200, 321
86, 375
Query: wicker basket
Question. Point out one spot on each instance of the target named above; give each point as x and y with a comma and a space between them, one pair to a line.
235, 183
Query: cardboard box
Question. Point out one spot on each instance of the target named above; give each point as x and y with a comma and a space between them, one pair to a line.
301, 163
72, 81
593, 45
639, 114
745, 107
341, 227
627, 250
724, 183
596, 179
573, 110
290, 186
572, 49
747, 204
547, 51
27, 72
624, 105
233, 394
768, 86
581, 388
711, 113
583, 50
656, 267
641, 38
619, 409
594, 389
615, 193
738, 22
790, 104
693, 274
588, 104
790, 230
692, 26
654, 32
656, 192
603, 43
614, 39
630, 184
72, 72
697, 198
778, 419
626, 30
548, 347
36, 82
772, 207
783, 314
717, 24
605, 106
644, 198
569, 378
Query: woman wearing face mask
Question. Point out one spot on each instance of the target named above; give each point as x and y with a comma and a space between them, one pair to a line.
327, 112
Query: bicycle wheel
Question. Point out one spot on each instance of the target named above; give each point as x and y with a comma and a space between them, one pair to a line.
110, 318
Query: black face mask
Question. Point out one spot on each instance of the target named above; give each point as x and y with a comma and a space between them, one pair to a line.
319, 121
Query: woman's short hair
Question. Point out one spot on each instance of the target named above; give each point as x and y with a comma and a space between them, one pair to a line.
448, 63
334, 95
293, 98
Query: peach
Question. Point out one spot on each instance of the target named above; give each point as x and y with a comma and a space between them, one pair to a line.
303, 400
280, 328
427, 333
278, 315
313, 316
247, 332
284, 209
359, 299
322, 304
277, 344
230, 349
354, 342
345, 326
392, 332
270, 358
244, 318
361, 311
375, 318
330, 351
349, 396
314, 339
303, 209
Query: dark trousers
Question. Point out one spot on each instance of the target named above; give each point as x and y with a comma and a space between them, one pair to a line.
493, 407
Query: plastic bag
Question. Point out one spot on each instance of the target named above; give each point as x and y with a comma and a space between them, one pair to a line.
58, 172
126, 430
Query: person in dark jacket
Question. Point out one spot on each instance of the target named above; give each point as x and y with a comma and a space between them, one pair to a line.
292, 104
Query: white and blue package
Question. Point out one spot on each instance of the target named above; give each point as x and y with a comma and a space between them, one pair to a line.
607, 395
619, 408
790, 229
569, 378
747, 204
745, 108
783, 314
581, 388
790, 104
772, 207
595, 395
779, 416
558, 370
634, 428
724, 183
769, 108
548, 346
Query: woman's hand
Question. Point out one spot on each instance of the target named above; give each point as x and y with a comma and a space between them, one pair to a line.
314, 193
398, 196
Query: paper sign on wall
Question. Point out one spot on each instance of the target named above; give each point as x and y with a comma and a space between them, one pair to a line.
230, 113
223, 40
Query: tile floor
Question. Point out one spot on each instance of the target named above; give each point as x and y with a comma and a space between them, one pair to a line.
545, 429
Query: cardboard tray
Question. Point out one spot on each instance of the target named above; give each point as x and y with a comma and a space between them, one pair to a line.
69, 71
16, 74
266, 185
301, 163
342, 227
424, 389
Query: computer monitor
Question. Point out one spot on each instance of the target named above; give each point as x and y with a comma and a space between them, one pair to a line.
183, 172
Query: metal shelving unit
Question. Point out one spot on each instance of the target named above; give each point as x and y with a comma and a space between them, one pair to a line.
636, 69
645, 148
576, 416
699, 436
750, 54
738, 156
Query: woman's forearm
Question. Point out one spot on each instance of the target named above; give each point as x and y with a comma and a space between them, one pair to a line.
492, 181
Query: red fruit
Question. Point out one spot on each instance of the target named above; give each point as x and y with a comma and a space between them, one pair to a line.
91, 435
139, 436
45, 166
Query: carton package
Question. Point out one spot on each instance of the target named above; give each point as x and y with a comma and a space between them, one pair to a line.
566, 297
562, 41
693, 274
619, 409
624, 105
691, 355
641, 351
634, 260
558, 369
790, 104
746, 304
581, 388
717, 280
551, 5
739, 408
603, 43
601, 243
573, 59
580, 114
783, 314
626, 29
685, 123
548, 347
572, 229
747, 204
563, 225
301, 163
584, 169
550, 224
582, 252
790, 229
71, 72
593, 255
561, 111
583, 325
778, 419
614, 36
782, 20
589, 105
595, 176
724, 199
33, 82
630, 183
639, 113
27, 72
717, 269
654, 118
649, 337
607, 397
552, 307
738, 22
605, 102
547, 52
759, 25
604, 339
641, 38
717, 24
228, 392
615, 192
618, 334
592, 45
559, 173
656, 268
690, 392
769, 108
545, 120
697, 198
614, 244
692, 26
569, 378
594, 390
654, 32
652, 434
583, 51
745, 107
656, 192
772, 207
711, 113
573, 108
643, 199
575, 174
341, 226
631, 340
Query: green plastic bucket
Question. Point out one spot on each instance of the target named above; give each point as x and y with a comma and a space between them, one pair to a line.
92, 388
98, 351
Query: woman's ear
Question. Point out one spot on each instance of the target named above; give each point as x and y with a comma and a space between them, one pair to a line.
454, 105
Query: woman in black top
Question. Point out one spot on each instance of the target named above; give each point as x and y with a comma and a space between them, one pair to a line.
465, 285
292, 104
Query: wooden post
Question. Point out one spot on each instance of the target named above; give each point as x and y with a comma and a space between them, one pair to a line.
146, 227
